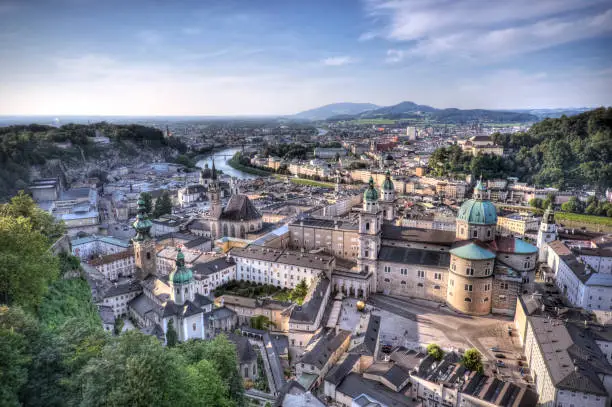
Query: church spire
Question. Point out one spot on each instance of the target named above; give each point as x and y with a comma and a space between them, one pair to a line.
214, 172
142, 225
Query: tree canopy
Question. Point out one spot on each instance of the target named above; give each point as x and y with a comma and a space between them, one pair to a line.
472, 360
163, 205
565, 152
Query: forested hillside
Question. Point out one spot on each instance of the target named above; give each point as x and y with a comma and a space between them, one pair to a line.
54, 352
566, 152
22, 147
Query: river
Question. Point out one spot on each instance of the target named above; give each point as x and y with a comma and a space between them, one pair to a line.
221, 159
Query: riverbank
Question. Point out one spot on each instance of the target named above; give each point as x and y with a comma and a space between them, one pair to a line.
234, 162
309, 182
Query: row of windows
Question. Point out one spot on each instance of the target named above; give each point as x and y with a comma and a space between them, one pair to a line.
403, 282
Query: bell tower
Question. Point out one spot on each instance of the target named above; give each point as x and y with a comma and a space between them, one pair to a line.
547, 233
144, 246
214, 193
370, 223
388, 198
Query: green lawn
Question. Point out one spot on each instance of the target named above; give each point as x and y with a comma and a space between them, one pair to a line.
302, 181
596, 220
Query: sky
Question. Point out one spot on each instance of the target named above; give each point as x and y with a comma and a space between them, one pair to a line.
273, 57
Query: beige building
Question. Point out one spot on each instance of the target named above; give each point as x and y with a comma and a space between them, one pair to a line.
516, 224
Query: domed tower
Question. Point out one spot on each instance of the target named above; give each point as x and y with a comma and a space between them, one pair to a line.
547, 233
477, 217
470, 280
370, 222
388, 197
144, 245
181, 281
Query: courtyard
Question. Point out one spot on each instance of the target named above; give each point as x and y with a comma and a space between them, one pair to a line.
416, 323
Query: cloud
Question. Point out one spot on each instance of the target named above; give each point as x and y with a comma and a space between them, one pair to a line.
338, 61
476, 29
149, 37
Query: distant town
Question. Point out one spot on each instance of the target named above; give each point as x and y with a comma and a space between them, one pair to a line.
349, 262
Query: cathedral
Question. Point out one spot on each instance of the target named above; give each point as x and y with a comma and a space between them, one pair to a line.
239, 216
472, 270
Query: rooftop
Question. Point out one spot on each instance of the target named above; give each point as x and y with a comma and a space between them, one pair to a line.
440, 237
407, 255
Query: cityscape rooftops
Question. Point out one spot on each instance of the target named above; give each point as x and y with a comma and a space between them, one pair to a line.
440, 237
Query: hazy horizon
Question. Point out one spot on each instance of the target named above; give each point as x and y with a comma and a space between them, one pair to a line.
277, 58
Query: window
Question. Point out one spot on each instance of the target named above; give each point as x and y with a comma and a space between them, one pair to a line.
148, 255
367, 254
503, 286
387, 269
367, 226
437, 276
454, 267
387, 280
489, 233
487, 271
467, 299
436, 287
469, 271
475, 233
451, 283
421, 274
404, 272
420, 285
468, 287
487, 287
403, 282
194, 326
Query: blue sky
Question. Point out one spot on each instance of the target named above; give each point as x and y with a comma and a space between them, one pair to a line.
279, 57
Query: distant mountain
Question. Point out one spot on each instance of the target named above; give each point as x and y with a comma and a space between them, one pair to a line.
400, 108
411, 110
335, 109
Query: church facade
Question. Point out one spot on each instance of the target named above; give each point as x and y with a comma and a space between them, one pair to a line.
471, 269
239, 216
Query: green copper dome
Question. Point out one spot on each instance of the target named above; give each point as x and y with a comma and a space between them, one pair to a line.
387, 184
142, 225
478, 210
181, 274
370, 194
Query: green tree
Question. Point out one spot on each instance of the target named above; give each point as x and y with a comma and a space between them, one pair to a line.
472, 360
214, 393
26, 264
118, 327
135, 370
163, 205
17, 330
222, 353
536, 203
171, 335
148, 200
435, 351
550, 200
573, 205
299, 292
22, 205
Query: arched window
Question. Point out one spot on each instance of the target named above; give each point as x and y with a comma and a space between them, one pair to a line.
489, 233
467, 299
475, 234
367, 226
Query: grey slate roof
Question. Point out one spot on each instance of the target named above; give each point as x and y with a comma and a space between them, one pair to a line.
322, 351
239, 208
244, 349
406, 255
355, 385
212, 266
120, 289
440, 237
396, 376
339, 372
308, 311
